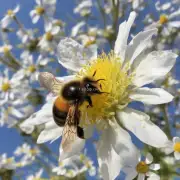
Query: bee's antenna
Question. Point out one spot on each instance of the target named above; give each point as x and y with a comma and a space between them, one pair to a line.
99, 80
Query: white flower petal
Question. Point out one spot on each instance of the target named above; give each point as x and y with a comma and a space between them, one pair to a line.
141, 177
177, 155
168, 148
138, 123
109, 161
55, 30
122, 144
6, 21
154, 167
151, 96
152, 176
156, 65
73, 56
38, 2
35, 19
16, 113
76, 148
122, 37
138, 44
17, 8
49, 134
176, 139
130, 172
149, 158
175, 24
75, 30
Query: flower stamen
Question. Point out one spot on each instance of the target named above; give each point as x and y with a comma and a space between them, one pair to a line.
115, 84
5, 87
177, 147
142, 167
40, 10
163, 19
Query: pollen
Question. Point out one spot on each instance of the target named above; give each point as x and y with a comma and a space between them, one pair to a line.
177, 147
49, 36
32, 68
163, 19
5, 87
10, 12
40, 10
114, 85
142, 167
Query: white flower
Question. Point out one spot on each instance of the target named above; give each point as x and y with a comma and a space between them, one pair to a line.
5, 49
27, 152
8, 18
45, 8
137, 4
25, 35
173, 146
83, 8
167, 19
7, 163
75, 165
50, 39
142, 168
36, 176
125, 71
11, 88
30, 68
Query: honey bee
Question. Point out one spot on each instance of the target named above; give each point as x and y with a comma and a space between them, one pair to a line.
65, 110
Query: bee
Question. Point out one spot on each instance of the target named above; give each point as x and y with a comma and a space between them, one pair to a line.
70, 96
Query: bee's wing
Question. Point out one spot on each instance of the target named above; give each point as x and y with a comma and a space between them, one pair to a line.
69, 134
48, 81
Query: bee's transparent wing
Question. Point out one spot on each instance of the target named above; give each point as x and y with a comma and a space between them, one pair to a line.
48, 81
69, 134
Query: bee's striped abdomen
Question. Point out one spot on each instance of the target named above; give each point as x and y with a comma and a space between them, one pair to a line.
60, 111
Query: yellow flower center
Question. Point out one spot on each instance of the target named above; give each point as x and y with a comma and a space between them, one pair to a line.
163, 19
32, 68
5, 87
90, 42
49, 36
115, 85
6, 50
177, 147
40, 10
142, 167
10, 12
9, 160
33, 151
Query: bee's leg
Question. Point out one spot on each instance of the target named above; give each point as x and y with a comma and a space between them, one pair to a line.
89, 100
80, 132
